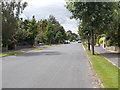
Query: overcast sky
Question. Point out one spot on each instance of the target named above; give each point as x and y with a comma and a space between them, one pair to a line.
43, 8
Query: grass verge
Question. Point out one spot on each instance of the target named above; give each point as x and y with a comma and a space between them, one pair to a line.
107, 72
11, 53
54, 44
21, 51
37, 48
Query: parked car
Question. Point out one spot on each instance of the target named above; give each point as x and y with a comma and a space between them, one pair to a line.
67, 42
79, 41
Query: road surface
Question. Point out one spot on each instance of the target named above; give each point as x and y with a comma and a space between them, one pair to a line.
61, 66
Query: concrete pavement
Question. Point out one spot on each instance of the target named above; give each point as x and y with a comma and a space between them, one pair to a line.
61, 66
111, 56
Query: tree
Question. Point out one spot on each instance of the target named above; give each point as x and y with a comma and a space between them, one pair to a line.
26, 32
71, 36
96, 16
68, 35
58, 37
53, 20
41, 29
84, 33
33, 30
57, 30
49, 34
10, 16
63, 34
74, 36
0, 25
21, 37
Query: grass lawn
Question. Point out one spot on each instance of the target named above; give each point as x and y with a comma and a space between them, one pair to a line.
11, 53
107, 72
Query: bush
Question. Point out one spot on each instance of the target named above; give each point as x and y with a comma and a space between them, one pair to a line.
109, 42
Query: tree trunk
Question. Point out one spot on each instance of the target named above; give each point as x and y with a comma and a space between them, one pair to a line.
92, 35
50, 41
88, 43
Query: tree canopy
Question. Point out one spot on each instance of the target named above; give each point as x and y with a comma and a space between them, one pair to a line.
10, 16
95, 18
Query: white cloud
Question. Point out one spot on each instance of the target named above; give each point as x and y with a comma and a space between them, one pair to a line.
42, 3
43, 8
70, 25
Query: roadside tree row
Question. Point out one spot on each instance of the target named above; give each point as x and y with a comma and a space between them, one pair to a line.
17, 32
96, 18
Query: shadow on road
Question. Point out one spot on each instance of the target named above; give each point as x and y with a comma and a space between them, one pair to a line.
39, 53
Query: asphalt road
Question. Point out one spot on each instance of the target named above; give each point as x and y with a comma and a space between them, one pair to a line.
62, 66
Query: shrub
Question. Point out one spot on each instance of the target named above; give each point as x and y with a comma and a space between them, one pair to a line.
109, 42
